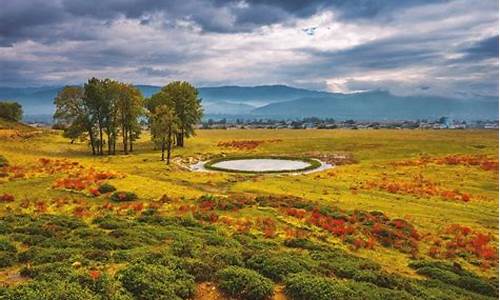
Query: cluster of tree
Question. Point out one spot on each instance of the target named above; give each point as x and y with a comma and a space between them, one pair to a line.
101, 111
173, 113
104, 110
12, 111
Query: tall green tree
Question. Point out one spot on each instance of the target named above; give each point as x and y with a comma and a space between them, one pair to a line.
187, 108
164, 126
73, 113
129, 107
95, 100
101, 107
11, 110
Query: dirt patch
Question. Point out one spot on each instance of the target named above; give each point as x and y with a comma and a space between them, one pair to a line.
246, 144
11, 277
208, 291
18, 134
335, 159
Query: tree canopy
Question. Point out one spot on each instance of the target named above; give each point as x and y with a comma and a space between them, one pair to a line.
11, 110
101, 110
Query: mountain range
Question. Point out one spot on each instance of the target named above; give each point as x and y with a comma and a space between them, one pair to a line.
284, 102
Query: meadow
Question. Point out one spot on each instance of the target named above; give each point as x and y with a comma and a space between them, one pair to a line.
404, 214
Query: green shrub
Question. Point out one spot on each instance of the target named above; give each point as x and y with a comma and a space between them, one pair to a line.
245, 283
303, 286
455, 275
123, 196
161, 258
219, 258
363, 290
37, 255
106, 188
147, 282
185, 247
201, 270
7, 246
278, 265
49, 271
111, 222
302, 244
466, 282
52, 290
106, 287
7, 259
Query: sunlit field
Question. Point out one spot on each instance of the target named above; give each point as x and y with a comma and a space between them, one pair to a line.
404, 214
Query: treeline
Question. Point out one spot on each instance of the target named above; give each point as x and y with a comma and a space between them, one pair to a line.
11, 111
106, 111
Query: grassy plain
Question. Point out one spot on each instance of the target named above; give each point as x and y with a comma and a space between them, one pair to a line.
429, 179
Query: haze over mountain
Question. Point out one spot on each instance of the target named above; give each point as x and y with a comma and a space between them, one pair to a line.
284, 102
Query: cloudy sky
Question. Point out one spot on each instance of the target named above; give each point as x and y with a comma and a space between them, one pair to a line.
407, 47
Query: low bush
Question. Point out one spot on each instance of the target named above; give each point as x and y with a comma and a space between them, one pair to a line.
7, 246
302, 244
106, 188
474, 284
201, 270
111, 222
244, 283
146, 281
7, 259
278, 265
50, 290
219, 258
38, 255
123, 196
303, 286
185, 247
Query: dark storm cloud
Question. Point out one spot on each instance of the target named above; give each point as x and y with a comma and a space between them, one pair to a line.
487, 48
51, 20
449, 44
348, 9
157, 71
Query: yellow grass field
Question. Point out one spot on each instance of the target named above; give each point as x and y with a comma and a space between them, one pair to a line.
431, 179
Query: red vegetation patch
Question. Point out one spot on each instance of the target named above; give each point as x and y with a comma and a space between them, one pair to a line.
7, 198
361, 229
418, 186
482, 161
44, 166
234, 203
246, 144
84, 179
267, 226
462, 241
95, 275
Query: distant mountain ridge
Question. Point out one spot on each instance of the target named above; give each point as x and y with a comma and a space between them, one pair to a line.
284, 102
381, 105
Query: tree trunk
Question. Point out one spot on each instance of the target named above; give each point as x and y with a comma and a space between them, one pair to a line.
92, 141
131, 148
109, 142
169, 146
100, 140
114, 143
125, 146
163, 149
180, 138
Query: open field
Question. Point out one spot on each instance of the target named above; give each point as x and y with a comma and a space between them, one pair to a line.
408, 202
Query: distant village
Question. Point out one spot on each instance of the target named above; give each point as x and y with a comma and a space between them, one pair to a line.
316, 123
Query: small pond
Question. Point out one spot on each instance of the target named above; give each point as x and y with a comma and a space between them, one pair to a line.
261, 165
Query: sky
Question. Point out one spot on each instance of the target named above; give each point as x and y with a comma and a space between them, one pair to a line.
435, 47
